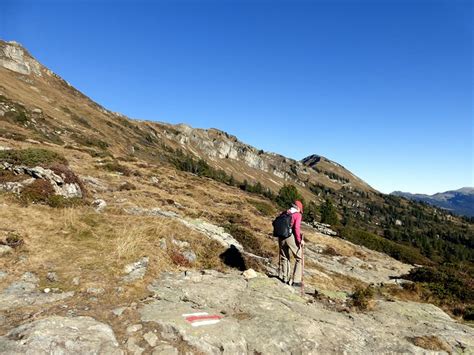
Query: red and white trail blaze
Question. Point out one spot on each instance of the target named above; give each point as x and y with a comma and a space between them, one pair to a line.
201, 318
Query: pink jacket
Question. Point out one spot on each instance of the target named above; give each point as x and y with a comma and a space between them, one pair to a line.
296, 225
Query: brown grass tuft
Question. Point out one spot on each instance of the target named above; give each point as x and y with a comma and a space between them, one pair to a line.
362, 298
430, 342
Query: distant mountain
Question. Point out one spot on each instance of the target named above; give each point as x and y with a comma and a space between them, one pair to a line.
459, 201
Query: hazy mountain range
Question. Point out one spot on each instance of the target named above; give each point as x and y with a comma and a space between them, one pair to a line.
457, 201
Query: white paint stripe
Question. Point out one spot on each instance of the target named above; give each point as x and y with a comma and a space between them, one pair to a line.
195, 314
205, 322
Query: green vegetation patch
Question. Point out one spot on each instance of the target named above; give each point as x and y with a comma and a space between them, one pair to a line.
12, 135
89, 141
372, 241
447, 286
32, 157
264, 208
116, 167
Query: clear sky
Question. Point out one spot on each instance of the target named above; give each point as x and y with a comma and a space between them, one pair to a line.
383, 87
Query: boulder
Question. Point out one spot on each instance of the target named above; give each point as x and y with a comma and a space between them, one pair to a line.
14, 187
95, 290
52, 277
99, 205
134, 328
119, 311
190, 256
133, 348
5, 249
151, 339
249, 274
136, 270
180, 244
95, 184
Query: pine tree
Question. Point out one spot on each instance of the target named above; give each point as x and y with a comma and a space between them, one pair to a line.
287, 195
328, 213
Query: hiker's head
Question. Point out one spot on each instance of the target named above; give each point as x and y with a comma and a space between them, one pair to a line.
297, 204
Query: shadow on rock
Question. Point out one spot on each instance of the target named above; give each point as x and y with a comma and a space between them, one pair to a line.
233, 258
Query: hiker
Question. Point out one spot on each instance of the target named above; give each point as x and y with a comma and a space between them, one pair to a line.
294, 245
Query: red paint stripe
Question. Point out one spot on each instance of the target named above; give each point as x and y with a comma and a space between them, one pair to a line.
196, 318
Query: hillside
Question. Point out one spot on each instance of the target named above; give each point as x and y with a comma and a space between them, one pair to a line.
460, 202
117, 235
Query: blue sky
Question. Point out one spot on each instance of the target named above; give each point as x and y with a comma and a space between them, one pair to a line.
383, 87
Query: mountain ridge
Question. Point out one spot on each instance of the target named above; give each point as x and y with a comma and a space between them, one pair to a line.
460, 201
223, 150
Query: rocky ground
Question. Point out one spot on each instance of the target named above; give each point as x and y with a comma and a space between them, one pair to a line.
207, 311
212, 312
150, 269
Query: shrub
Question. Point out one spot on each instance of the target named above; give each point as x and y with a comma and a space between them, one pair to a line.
17, 116
80, 120
411, 287
8, 176
39, 191
264, 208
66, 173
32, 157
330, 251
12, 135
13, 240
127, 186
445, 283
469, 313
89, 141
116, 167
361, 297
245, 237
178, 259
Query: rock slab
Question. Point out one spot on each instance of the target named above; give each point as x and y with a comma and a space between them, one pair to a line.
218, 313
61, 335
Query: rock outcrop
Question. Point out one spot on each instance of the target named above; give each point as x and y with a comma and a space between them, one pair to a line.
60, 186
223, 313
14, 57
24, 292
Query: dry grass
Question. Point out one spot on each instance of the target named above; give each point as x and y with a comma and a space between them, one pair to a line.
431, 342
